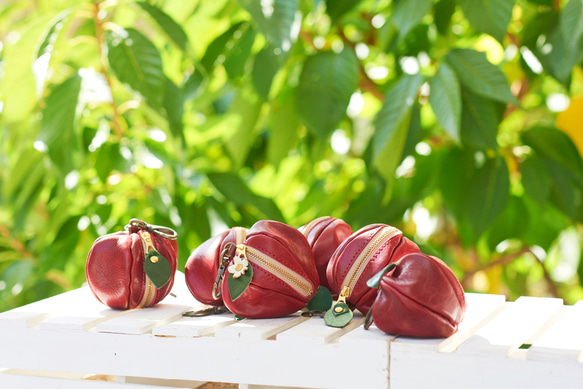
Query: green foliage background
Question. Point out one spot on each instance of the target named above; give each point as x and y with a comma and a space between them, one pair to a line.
438, 117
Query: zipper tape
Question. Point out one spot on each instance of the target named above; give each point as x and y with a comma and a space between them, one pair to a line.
293, 279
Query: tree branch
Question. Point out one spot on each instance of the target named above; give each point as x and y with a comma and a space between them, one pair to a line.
547, 276
15, 244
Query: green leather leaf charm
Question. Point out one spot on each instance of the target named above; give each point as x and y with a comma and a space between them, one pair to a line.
322, 300
157, 268
375, 280
338, 316
238, 285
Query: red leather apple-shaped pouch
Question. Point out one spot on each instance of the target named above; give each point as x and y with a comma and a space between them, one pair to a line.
417, 296
324, 235
355, 261
133, 268
206, 262
271, 274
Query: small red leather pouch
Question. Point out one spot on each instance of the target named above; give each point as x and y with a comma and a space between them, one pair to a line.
324, 235
202, 267
361, 256
419, 297
271, 274
133, 268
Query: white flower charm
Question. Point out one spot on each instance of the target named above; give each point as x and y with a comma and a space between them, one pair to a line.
239, 266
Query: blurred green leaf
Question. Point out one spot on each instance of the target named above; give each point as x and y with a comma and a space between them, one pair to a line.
137, 62
18, 81
510, 224
557, 57
167, 24
536, 179
266, 65
443, 11
566, 192
235, 189
337, 8
275, 20
480, 119
58, 129
283, 131
108, 159
217, 46
571, 22
236, 61
51, 34
245, 110
489, 16
407, 14
548, 142
18, 273
173, 103
552, 219
327, 82
488, 195
457, 171
445, 99
391, 125
480, 76
415, 132
191, 85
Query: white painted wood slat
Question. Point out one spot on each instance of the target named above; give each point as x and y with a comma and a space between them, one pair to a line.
61, 341
316, 332
32, 314
141, 321
514, 326
195, 326
563, 341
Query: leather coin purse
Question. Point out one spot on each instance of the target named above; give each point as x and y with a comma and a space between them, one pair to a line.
133, 268
355, 261
271, 274
324, 235
418, 296
202, 267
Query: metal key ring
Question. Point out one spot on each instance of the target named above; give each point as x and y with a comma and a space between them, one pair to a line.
226, 256
164, 232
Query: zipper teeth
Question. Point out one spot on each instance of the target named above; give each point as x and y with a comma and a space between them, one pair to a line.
150, 289
290, 277
363, 258
305, 230
149, 294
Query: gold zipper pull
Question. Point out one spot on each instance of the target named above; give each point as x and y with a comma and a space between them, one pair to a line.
340, 314
241, 251
148, 239
344, 294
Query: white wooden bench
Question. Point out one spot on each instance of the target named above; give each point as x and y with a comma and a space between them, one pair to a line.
71, 341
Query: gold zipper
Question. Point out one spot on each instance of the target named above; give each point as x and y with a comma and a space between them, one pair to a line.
284, 273
150, 288
362, 260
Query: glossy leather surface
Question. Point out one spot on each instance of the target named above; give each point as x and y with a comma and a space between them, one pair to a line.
324, 238
267, 295
203, 265
115, 268
344, 258
421, 297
